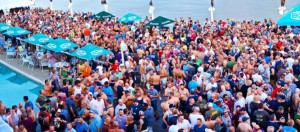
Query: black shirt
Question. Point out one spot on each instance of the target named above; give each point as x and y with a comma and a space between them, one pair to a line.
119, 91
130, 127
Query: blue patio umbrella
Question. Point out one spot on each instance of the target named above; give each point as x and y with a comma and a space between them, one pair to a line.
291, 18
89, 52
16, 31
129, 17
59, 45
38, 39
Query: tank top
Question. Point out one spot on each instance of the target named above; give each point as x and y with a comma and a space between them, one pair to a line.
170, 116
140, 101
6, 118
77, 91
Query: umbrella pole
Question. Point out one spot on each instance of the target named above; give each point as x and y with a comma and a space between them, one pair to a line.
51, 5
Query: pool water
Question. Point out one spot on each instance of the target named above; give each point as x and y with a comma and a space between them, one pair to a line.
13, 86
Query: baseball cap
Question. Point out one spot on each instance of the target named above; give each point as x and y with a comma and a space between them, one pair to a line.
243, 109
171, 106
135, 100
213, 88
59, 110
145, 104
245, 118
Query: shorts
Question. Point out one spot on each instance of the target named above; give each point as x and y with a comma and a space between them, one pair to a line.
157, 87
50, 65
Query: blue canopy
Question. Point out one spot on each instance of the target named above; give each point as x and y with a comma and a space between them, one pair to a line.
59, 45
16, 31
4, 27
38, 39
291, 18
90, 52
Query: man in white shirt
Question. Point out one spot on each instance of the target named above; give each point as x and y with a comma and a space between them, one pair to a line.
90, 98
173, 127
99, 105
249, 98
289, 75
128, 88
103, 79
290, 61
256, 76
99, 68
240, 101
211, 84
120, 105
199, 78
194, 116
183, 123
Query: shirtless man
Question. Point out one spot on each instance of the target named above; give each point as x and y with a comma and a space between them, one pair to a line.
244, 126
148, 77
127, 98
164, 105
173, 99
178, 72
155, 80
209, 122
163, 75
184, 94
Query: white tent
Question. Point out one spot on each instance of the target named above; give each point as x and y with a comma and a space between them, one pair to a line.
8, 4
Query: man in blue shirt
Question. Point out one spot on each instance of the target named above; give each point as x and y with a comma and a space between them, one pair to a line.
290, 127
108, 91
149, 115
71, 108
199, 127
81, 125
95, 125
135, 108
27, 102
193, 84
153, 96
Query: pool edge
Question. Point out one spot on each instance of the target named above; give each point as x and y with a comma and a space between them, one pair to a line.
23, 73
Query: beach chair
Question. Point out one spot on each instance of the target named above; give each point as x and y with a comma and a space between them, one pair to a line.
31, 63
21, 51
10, 52
24, 59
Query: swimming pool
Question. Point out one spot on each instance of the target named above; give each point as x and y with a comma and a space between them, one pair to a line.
14, 86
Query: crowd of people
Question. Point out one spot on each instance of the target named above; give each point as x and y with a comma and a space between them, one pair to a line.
222, 76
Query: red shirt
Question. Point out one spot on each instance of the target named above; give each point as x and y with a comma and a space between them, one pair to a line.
275, 91
114, 66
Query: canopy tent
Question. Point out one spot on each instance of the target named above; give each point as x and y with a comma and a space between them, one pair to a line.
129, 17
160, 21
291, 18
16, 31
89, 52
8, 4
103, 15
38, 39
59, 45
4, 27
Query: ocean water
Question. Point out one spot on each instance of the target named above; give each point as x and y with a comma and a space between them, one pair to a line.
14, 86
196, 9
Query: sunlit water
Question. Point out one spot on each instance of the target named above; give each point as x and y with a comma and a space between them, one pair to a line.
14, 86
